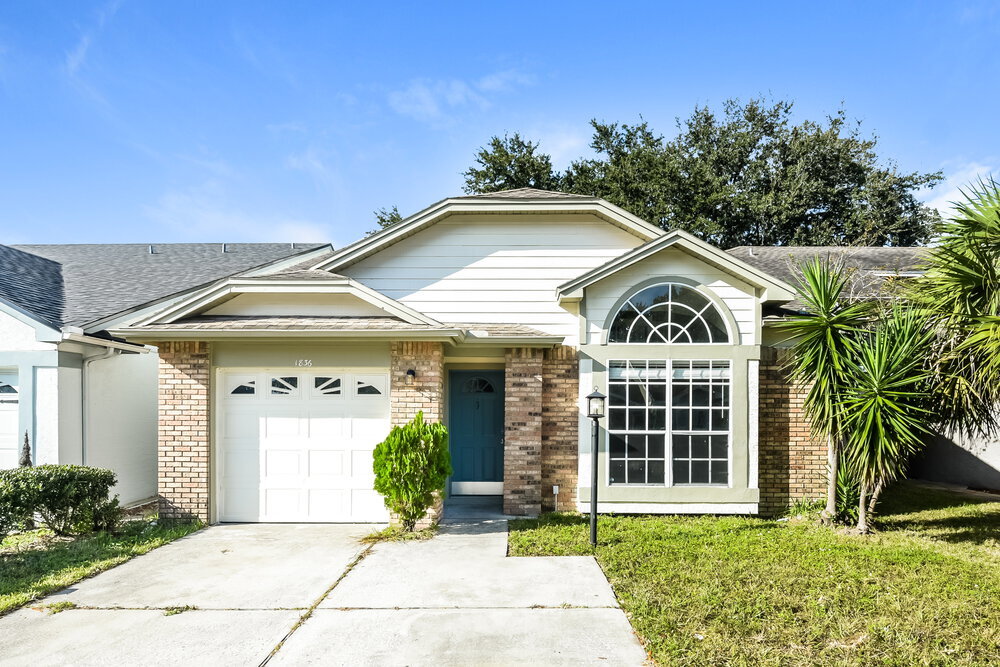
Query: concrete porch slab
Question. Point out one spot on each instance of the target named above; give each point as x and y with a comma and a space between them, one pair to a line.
233, 566
136, 638
463, 637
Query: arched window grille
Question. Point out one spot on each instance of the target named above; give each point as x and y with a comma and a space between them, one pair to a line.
668, 313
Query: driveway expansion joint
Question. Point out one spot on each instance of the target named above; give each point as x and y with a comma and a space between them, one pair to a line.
309, 612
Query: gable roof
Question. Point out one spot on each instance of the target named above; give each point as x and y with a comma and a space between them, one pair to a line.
519, 201
314, 282
74, 285
773, 288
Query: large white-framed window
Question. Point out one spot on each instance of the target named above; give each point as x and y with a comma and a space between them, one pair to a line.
669, 422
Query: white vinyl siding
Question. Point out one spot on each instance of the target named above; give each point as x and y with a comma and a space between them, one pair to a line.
738, 297
502, 268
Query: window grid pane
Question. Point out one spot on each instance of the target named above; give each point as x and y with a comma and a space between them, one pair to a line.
668, 416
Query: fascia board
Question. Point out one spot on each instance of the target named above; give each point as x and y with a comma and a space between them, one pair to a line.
447, 335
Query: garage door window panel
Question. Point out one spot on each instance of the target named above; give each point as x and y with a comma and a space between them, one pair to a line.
286, 385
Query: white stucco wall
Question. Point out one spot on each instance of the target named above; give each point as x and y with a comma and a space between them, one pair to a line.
70, 416
15, 335
46, 417
121, 422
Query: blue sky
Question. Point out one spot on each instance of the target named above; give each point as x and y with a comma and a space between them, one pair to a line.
139, 121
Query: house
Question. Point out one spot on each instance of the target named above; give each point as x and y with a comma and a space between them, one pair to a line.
280, 368
495, 314
78, 394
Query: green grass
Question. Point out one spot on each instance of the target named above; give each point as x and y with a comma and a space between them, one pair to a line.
36, 563
923, 590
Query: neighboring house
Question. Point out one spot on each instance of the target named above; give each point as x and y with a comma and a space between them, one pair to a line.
79, 394
494, 314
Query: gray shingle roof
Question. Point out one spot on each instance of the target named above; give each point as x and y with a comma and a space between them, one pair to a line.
78, 284
527, 193
782, 261
32, 283
868, 267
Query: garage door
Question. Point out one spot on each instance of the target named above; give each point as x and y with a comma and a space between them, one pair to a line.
9, 450
296, 446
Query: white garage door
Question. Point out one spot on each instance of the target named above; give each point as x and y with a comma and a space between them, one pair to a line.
9, 445
296, 446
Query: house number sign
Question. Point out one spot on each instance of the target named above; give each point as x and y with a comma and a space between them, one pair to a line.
304, 363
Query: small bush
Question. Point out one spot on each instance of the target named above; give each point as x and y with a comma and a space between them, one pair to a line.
70, 499
411, 466
17, 501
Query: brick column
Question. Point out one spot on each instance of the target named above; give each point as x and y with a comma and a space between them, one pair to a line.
792, 464
522, 456
427, 391
560, 427
183, 453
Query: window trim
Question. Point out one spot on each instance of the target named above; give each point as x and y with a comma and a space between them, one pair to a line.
732, 329
668, 458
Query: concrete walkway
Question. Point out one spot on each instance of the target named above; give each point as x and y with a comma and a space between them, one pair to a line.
454, 600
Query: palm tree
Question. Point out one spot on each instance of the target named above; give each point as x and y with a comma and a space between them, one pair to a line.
960, 291
822, 342
885, 410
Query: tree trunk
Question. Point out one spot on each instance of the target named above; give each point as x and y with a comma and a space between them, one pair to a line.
875, 494
833, 462
863, 527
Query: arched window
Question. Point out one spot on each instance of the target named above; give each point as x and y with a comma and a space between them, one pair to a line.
668, 313
478, 385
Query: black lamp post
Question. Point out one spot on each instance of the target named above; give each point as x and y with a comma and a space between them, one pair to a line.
595, 410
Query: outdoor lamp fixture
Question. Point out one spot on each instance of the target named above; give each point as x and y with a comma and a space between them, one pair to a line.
595, 410
410, 375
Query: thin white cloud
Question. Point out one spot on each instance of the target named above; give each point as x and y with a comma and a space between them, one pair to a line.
435, 100
77, 56
959, 177
204, 213
562, 143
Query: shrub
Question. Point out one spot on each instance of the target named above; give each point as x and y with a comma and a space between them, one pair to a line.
69, 498
17, 503
412, 465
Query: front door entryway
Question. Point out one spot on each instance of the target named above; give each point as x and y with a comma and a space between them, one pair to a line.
475, 416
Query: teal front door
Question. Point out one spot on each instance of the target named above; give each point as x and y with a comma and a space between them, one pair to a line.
475, 417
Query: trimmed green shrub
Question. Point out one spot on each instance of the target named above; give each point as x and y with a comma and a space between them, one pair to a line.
17, 502
412, 465
69, 499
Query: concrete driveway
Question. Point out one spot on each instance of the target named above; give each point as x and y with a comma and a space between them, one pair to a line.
454, 600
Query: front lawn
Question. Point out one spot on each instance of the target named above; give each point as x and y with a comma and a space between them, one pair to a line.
925, 589
36, 563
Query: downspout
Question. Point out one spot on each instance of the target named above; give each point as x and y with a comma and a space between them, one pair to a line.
84, 403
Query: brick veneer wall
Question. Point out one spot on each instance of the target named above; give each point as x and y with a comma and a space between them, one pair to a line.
560, 427
522, 456
792, 463
427, 391
184, 427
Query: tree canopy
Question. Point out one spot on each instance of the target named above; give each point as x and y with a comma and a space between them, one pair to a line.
747, 176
